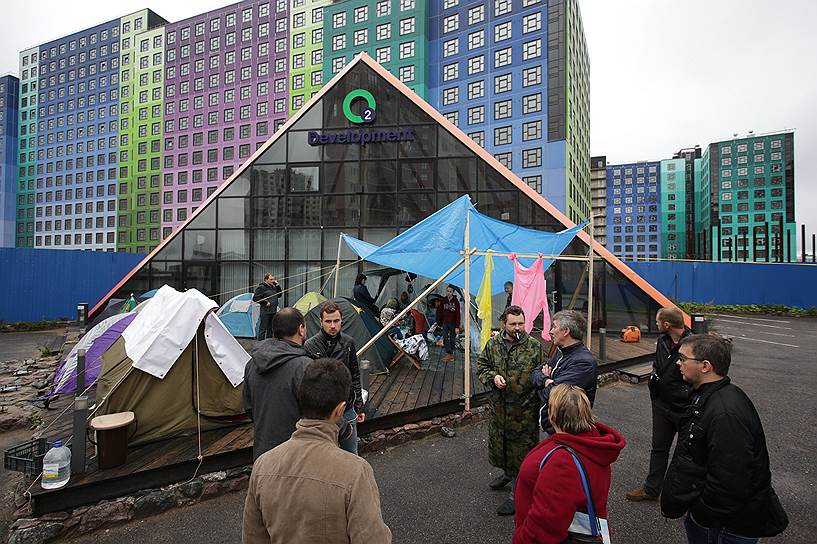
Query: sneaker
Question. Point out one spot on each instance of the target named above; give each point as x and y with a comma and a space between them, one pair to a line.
639, 494
499, 482
506, 508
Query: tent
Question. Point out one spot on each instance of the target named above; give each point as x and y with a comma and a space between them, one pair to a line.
240, 315
435, 244
113, 307
176, 366
309, 301
95, 342
360, 324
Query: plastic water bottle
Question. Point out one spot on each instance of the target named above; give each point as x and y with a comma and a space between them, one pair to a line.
56, 466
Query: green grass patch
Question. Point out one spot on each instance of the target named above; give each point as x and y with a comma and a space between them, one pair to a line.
767, 309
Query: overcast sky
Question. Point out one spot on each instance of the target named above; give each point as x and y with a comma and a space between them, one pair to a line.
664, 74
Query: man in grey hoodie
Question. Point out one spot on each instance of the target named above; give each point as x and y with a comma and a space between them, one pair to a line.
271, 381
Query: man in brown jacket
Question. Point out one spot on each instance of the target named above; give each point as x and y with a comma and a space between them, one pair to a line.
308, 490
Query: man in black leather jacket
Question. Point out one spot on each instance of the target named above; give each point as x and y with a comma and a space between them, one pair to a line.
719, 475
331, 342
266, 295
669, 397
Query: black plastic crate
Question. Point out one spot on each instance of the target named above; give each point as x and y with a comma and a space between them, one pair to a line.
26, 457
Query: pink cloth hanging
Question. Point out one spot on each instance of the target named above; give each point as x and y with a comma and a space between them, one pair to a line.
530, 293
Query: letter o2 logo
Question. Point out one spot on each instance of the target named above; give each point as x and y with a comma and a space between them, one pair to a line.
368, 114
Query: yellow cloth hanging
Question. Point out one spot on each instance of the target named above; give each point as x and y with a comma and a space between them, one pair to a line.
484, 302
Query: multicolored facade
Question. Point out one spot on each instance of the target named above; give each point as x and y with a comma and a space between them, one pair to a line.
751, 188
633, 217
27, 146
126, 127
9, 106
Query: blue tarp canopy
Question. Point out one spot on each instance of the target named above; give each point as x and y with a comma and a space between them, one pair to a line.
434, 245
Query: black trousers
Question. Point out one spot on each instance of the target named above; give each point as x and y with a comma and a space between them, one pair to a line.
665, 427
265, 325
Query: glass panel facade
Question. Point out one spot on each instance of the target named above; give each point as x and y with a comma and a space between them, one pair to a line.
284, 213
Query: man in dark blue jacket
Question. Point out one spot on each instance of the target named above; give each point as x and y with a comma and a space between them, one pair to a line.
573, 363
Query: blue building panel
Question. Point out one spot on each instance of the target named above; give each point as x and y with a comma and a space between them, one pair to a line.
487, 76
633, 210
78, 139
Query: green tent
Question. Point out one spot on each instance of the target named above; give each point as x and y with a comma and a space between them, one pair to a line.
309, 301
362, 325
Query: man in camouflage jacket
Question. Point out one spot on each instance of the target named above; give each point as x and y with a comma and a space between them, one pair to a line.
505, 366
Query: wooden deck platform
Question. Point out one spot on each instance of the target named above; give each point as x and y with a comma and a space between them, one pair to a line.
402, 396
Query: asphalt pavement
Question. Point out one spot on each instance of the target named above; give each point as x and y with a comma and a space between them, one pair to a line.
435, 490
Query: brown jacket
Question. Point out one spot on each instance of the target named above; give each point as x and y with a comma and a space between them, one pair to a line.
308, 490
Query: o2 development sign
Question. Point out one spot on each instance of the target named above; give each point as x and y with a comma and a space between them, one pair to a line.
367, 116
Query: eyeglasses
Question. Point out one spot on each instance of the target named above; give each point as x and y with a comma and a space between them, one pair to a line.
683, 358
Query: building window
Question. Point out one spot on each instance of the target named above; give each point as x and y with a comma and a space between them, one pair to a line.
532, 157
532, 130
502, 83
503, 135
361, 14
406, 50
477, 65
407, 26
532, 103
383, 54
532, 76
506, 159
339, 20
502, 32
476, 115
501, 7
502, 57
450, 71
476, 15
383, 31
531, 50
476, 39
451, 96
532, 22
451, 47
361, 37
478, 137
384, 8
453, 117
503, 109
451, 23
407, 74
476, 89
338, 42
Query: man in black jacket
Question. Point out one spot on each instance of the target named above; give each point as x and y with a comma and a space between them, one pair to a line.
271, 381
573, 363
266, 295
331, 342
669, 395
719, 475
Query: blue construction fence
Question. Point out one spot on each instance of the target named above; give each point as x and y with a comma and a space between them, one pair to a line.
732, 283
45, 284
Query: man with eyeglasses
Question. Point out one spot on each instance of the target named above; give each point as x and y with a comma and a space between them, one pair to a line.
719, 477
669, 396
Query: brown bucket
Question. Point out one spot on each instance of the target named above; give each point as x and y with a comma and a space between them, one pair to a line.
111, 443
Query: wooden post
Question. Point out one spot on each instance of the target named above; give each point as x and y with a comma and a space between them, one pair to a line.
400, 315
590, 289
814, 248
337, 267
467, 313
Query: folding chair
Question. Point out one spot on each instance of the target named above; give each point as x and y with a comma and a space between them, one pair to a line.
400, 354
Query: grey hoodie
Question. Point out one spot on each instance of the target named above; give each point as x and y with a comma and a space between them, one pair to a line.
271, 382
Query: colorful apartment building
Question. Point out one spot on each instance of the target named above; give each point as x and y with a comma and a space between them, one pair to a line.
125, 128
751, 191
633, 210
598, 197
9, 106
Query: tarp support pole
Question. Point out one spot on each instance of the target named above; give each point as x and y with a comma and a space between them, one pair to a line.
467, 305
399, 316
337, 267
590, 288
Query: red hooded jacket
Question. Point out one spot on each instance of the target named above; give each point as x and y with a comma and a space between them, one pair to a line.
546, 501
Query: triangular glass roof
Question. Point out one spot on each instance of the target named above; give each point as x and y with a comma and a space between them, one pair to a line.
283, 210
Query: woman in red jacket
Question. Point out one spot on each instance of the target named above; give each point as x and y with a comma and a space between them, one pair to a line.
546, 501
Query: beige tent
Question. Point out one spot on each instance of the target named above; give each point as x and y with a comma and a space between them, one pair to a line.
173, 395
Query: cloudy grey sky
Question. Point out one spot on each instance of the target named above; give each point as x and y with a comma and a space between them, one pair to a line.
665, 74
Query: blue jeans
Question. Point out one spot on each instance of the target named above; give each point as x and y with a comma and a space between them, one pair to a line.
347, 437
697, 534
